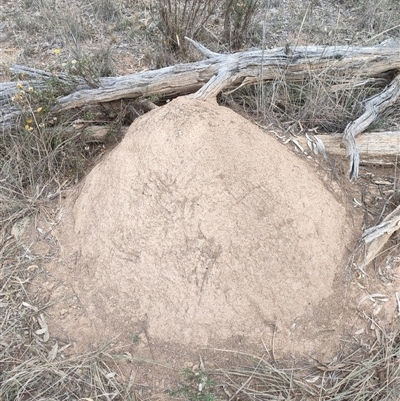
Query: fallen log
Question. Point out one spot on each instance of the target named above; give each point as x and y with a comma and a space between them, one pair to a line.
352, 64
348, 65
223, 71
375, 148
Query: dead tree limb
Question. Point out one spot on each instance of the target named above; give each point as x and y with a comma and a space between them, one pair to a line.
373, 108
374, 148
352, 63
222, 71
349, 65
376, 237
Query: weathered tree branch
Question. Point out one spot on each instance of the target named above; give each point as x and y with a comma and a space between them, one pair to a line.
376, 237
251, 66
375, 148
350, 65
373, 107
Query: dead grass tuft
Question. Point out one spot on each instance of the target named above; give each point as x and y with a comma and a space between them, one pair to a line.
107, 10
327, 101
366, 374
31, 366
378, 18
238, 20
92, 66
179, 18
40, 157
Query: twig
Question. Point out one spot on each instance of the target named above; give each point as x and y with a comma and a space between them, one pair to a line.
373, 107
378, 235
398, 301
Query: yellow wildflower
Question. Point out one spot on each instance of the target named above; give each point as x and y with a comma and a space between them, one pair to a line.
29, 120
27, 126
57, 51
39, 109
19, 86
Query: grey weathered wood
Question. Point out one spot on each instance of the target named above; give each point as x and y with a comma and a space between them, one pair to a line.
375, 148
377, 236
352, 63
30, 77
373, 108
231, 70
349, 65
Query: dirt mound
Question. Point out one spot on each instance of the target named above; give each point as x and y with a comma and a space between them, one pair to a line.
200, 229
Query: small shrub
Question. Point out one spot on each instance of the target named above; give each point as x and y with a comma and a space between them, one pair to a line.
27, 24
179, 18
196, 387
72, 28
37, 156
238, 18
107, 10
92, 66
